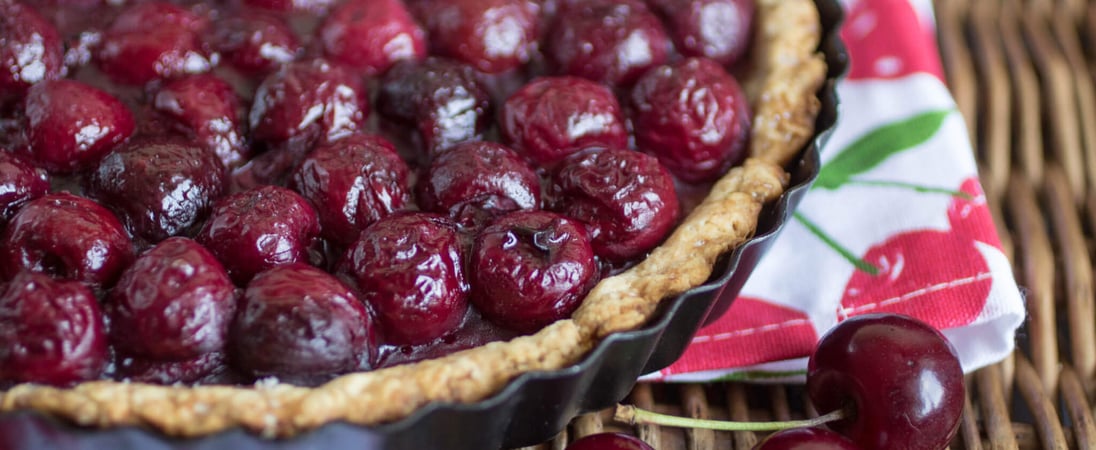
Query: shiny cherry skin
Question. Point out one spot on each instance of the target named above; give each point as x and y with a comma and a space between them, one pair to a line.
173, 304
806, 439
552, 117
206, 108
371, 35
609, 441
67, 237
625, 198
408, 267
716, 29
153, 40
898, 377
493, 36
693, 116
32, 49
159, 188
313, 99
311, 6
353, 182
444, 100
254, 230
20, 182
532, 268
474, 182
71, 125
608, 41
51, 331
300, 324
207, 368
255, 42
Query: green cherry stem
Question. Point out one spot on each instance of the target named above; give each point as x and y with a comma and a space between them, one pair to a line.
856, 261
910, 186
631, 415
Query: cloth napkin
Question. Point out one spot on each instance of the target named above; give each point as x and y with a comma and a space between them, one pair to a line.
896, 222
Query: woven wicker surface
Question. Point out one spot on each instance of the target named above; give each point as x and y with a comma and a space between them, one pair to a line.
1023, 73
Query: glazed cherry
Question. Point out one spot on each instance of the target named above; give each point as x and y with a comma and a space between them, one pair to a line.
255, 42
71, 125
807, 438
254, 230
408, 268
31, 49
372, 35
693, 116
626, 199
532, 268
300, 324
716, 29
492, 35
51, 331
173, 304
206, 108
353, 182
443, 99
67, 237
153, 40
609, 41
312, 6
475, 182
159, 188
609, 441
312, 99
208, 368
552, 117
898, 378
20, 182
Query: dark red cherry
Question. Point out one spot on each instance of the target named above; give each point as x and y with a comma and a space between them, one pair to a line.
552, 117
626, 199
408, 267
806, 439
353, 182
30, 49
153, 40
492, 35
209, 368
173, 304
609, 41
158, 188
313, 99
372, 35
20, 182
715, 29
51, 331
207, 108
693, 116
300, 324
312, 6
71, 125
532, 268
609, 441
255, 42
899, 378
443, 99
67, 237
474, 182
254, 230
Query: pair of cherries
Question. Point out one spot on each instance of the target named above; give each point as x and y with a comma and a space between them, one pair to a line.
890, 381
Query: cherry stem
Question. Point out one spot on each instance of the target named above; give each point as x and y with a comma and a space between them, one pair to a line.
911, 186
631, 415
859, 263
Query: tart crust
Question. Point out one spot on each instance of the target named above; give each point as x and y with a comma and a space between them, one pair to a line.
787, 71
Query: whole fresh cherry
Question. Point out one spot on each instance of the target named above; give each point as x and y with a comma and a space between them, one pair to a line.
806, 438
67, 237
898, 379
371, 35
609, 441
254, 230
474, 182
408, 267
255, 41
207, 108
71, 125
609, 41
492, 35
313, 99
353, 182
532, 268
716, 29
20, 182
693, 116
552, 117
31, 49
153, 40
625, 198
300, 324
51, 331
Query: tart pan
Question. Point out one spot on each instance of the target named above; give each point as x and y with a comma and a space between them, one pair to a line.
535, 406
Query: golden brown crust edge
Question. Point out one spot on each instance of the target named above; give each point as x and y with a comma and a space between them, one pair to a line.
782, 87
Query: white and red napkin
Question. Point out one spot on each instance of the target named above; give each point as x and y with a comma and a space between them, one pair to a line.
896, 221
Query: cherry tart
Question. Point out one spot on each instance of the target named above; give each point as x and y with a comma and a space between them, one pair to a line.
275, 214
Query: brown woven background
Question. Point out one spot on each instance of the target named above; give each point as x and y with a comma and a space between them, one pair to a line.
1023, 73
